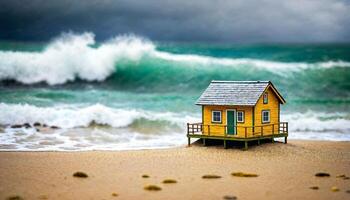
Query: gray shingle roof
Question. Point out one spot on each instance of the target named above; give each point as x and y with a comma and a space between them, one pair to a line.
245, 93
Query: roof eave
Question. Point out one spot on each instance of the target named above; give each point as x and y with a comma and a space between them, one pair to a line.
280, 97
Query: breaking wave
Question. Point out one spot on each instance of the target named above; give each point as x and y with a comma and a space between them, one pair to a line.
74, 117
98, 127
77, 56
84, 116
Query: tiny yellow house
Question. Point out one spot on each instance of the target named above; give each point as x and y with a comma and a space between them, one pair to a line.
239, 110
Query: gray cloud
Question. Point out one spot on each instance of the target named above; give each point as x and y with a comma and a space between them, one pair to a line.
181, 20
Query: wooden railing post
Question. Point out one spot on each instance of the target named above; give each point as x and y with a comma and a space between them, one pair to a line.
225, 130
188, 128
279, 127
286, 127
262, 130
273, 129
208, 130
245, 132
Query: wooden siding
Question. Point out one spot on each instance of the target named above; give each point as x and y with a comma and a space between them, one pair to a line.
219, 129
272, 106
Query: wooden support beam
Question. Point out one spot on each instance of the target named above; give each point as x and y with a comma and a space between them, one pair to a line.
285, 140
189, 141
245, 145
225, 145
203, 141
258, 142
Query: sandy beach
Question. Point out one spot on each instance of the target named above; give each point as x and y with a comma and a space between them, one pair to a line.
285, 171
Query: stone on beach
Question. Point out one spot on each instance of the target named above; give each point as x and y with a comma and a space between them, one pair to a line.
322, 174
16, 126
334, 189
152, 188
27, 125
15, 197
229, 197
145, 176
167, 181
242, 174
80, 175
114, 194
211, 176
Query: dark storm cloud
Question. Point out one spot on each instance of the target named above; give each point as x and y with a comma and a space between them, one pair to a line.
180, 20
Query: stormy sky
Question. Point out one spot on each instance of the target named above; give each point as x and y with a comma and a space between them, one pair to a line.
236, 21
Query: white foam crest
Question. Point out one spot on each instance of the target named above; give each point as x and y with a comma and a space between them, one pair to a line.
71, 56
71, 117
75, 135
318, 122
247, 62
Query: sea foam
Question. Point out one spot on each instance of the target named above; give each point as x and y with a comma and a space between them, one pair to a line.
73, 116
77, 56
122, 128
83, 116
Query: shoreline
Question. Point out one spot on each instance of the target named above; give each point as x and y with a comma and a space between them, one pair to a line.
285, 171
196, 143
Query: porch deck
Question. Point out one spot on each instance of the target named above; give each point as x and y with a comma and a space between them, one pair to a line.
247, 133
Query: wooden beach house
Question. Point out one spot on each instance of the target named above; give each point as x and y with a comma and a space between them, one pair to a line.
239, 111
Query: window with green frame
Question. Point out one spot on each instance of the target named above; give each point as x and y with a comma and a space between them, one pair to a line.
265, 116
216, 116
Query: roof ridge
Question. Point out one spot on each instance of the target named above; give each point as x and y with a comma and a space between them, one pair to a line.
258, 81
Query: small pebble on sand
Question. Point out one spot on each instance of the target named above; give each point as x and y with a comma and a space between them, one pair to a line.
15, 197
229, 197
80, 175
167, 181
152, 188
145, 176
322, 174
314, 188
334, 189
114, 194
211, 176
242, 174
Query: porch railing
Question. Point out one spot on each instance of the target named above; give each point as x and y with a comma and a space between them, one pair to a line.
248, 131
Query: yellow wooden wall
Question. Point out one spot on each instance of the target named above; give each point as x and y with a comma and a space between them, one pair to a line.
273, 106
219, 128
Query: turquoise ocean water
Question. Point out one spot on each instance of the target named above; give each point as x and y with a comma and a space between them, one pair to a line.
129, 92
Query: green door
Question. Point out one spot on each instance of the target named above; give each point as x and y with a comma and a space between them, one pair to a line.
231, 122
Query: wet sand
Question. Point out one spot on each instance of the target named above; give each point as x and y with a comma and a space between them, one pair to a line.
286, 171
